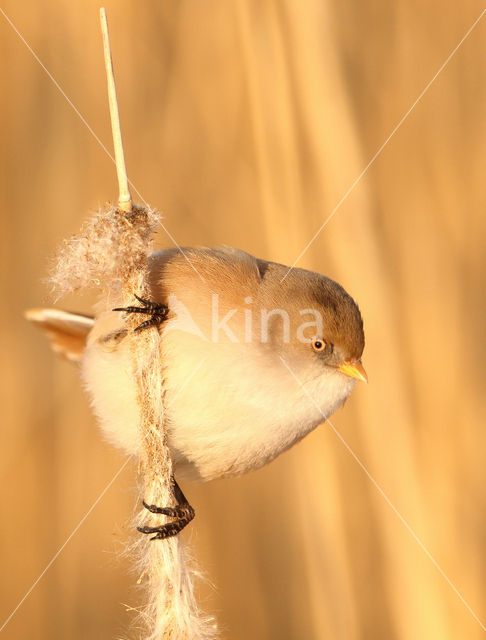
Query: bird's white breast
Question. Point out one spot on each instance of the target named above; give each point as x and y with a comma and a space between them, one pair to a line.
230, 408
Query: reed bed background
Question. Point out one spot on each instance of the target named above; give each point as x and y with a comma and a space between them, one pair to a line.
246, 122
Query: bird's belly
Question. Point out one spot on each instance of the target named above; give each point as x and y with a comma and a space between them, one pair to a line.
232, 440
221, 421
236, 433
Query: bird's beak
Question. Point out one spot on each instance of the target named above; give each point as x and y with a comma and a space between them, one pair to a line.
354, 370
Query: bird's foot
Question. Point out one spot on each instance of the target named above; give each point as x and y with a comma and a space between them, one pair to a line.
156, 310
182, 512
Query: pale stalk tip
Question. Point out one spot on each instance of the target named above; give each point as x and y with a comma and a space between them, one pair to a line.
124, 198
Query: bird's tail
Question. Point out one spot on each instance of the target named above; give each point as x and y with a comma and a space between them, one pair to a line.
66, 331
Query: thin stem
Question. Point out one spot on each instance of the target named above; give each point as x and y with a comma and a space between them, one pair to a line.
124, 198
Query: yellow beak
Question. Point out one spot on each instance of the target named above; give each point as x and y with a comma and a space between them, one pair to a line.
354, 370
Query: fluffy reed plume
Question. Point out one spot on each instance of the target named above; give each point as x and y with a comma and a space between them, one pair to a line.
106, 253
110, 252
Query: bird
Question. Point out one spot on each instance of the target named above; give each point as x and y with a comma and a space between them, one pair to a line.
255, 355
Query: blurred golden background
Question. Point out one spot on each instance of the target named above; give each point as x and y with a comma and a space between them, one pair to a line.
246, 122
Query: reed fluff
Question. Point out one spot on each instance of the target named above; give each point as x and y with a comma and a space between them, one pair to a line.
111, 253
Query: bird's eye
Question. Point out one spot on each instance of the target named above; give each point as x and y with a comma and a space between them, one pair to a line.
318, 345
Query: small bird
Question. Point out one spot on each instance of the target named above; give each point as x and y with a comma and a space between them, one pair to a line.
245, 344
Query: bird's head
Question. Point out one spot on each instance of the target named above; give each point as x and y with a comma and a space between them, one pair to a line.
325, 330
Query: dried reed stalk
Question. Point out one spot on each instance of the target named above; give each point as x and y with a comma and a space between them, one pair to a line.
111, 253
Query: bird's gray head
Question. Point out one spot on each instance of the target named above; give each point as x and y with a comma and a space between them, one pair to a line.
326, 324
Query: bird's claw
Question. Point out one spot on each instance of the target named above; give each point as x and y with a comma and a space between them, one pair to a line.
182, 512
156, 310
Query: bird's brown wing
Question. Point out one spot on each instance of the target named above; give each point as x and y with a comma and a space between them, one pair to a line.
66, 331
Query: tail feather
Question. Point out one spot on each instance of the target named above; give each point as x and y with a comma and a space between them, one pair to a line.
66, 331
